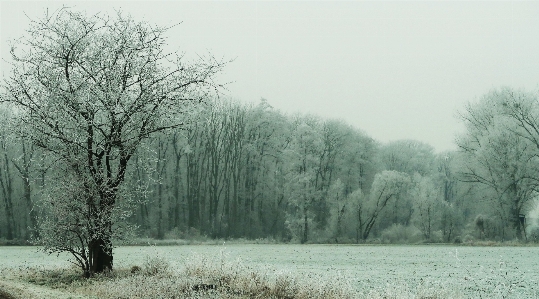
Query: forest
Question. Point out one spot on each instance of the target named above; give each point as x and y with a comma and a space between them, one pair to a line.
249, 171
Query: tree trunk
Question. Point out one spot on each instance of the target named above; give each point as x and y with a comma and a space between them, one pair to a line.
24, 172
359, 227
177, 184
160, 229
515, 211
10, 219
305, 228
100, 255
100, 244
6, 185
30, 207
517, 224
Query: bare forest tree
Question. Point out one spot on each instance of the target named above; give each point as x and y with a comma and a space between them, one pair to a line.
502, 149
89, 90
427, 203
387, 187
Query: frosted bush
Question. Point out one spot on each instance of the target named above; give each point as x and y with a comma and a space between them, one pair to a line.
398, 233
156, 266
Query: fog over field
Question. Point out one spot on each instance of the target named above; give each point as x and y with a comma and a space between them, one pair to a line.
304, 125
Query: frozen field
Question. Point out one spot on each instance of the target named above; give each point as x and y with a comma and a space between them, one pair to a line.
472, 270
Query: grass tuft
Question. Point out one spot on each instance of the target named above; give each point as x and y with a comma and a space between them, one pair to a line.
54, 278
155, 266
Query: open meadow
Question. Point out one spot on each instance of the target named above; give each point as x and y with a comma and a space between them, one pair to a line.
402, 271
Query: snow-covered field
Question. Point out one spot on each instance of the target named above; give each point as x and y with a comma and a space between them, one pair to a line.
501, 271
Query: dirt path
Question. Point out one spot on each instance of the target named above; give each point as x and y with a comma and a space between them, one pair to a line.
23, 290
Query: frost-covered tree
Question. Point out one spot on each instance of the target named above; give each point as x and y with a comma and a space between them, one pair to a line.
303, 154
427, 205
501, 147
410, 157
67, 224
387, 186
340, 204
89, 90
407, 156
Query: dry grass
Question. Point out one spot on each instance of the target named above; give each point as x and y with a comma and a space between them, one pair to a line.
211, 274
216, 277
202, 277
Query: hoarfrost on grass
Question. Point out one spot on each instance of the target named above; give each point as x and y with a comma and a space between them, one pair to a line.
319, 271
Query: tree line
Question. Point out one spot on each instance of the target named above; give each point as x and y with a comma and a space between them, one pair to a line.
250, 171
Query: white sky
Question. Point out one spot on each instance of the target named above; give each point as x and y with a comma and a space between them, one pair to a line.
396, 70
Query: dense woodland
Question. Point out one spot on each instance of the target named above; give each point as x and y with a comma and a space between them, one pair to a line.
238, 170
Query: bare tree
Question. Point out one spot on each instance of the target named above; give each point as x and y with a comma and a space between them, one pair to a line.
306, 145
387, 186
500, 144
427, 205
90, 89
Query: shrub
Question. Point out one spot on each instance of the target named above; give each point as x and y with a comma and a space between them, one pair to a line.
135, 269
156, 266
468, 238
485, 227
436, 237
398, 233
533, 234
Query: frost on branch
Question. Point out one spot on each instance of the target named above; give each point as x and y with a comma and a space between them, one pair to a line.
89, 90
70, 219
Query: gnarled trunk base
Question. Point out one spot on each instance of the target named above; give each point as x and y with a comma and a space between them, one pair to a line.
100, 255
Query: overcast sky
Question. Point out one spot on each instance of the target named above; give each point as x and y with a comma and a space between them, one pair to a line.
396, 70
